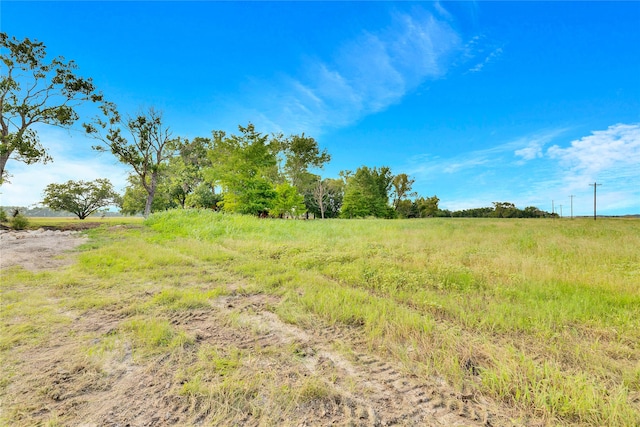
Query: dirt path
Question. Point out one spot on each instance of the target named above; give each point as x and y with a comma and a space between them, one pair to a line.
119, 390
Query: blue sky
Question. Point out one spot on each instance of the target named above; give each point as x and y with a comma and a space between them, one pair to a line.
526, 102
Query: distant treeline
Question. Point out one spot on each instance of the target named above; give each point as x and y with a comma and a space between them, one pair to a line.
503, 210
46, 212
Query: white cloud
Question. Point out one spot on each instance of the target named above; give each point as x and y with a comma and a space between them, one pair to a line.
617, 147
366, 75
533, 144
73, 159
527, 148
441, 10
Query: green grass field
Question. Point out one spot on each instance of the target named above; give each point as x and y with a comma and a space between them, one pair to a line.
74, 222
538, 315
547, 312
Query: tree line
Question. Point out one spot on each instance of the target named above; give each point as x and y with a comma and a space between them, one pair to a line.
247, 172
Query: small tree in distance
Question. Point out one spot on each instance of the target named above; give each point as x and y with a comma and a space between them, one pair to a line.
287, 201
81, 198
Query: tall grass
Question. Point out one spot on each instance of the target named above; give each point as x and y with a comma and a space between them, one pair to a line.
542, 315
546, 313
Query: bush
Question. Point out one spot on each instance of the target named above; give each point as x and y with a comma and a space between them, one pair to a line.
3, 215
19, 222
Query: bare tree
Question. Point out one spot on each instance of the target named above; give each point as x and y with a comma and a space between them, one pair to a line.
145, 148
319, 196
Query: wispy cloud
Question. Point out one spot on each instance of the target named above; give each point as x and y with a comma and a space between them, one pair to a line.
510, 153
364, 76
522, 171
534, 144
480, 51
487, 59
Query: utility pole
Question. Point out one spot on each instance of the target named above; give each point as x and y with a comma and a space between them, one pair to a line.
595, 185
560, 211
571, 197
553, 210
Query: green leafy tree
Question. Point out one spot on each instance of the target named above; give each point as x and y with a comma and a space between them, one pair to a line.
185, 170
142, 142
288, 201
532, 212
203, 197
407, 209
80, 197
34, 91
402, 185
367, 193
19, 221
256, 198
427, 206
245, 166
505, 210
135, 197
302, 152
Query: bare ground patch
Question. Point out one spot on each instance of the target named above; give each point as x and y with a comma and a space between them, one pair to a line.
39, 249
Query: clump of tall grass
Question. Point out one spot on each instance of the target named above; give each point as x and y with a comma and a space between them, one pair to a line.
150, 335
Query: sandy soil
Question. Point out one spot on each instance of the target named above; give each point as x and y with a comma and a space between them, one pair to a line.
37, 249
369, 391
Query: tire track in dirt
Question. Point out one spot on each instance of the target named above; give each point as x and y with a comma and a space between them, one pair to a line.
120, 390
376, 392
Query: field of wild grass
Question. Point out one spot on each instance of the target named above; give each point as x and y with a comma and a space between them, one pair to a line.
543, 315
539, 315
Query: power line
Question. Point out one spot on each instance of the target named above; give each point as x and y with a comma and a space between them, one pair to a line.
595, 186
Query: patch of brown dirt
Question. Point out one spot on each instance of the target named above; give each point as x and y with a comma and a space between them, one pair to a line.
74, 226
37, 249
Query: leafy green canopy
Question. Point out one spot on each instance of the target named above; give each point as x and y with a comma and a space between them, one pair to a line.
288, 201
245, 166
367, 193
81, 198
34, 90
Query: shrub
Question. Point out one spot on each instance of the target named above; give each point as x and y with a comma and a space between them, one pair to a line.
19, 222
3, 215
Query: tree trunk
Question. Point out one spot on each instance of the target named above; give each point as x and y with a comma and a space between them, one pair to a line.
3, 161
151, 192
